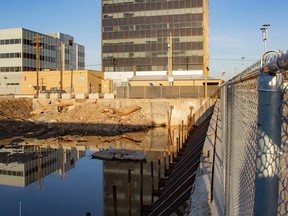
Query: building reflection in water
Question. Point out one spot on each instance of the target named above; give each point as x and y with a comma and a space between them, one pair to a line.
20, 165
125, 194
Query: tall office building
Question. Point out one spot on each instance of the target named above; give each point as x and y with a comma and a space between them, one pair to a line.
136, 34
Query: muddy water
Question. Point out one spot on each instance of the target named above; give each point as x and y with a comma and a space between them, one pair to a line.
65, 180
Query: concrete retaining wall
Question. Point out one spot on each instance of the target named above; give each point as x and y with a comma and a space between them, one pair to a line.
157, 109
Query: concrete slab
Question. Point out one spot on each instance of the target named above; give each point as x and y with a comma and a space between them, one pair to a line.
23, 96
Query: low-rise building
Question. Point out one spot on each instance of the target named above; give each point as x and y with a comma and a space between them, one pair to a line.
69, 81
24, 50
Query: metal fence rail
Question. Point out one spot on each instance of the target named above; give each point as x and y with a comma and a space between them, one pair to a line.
254, 118
164, 91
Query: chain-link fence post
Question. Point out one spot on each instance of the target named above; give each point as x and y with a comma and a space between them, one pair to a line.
268, 145
228, 149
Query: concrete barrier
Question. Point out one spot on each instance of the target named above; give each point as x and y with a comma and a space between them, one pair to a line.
94, 96
109, 96
43, 96
81, 96
67, 96
54, 95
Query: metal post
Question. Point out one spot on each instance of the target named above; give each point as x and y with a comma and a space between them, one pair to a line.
159, 173
129, 193
62, 64
115, 200
71, 90
38, 45
268, 141
170, 60
141, 185
152, 180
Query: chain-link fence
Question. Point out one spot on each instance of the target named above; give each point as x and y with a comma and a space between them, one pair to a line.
254, 121
164, 91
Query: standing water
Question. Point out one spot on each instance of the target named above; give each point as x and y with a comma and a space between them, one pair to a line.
65, 180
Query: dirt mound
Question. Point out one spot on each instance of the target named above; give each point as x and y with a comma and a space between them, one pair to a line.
15, 108
55, 118
91, 113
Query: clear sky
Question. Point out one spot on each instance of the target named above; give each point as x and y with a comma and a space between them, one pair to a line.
234, 27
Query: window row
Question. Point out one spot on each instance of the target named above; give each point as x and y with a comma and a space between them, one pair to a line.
154, 68
152, 34
10, 55
34, 68
180, 60
13, 84
152, 47
50, 164
41, 58
156, 5
10, 69
154, 19
10, 41
183, 25
43, 45
11, 173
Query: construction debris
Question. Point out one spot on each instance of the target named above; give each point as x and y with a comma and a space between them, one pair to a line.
44, 119
119, 154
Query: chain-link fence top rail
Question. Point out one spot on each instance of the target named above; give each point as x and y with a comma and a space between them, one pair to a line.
250, 154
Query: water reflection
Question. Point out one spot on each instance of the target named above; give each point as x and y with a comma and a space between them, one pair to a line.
129, 186
20, 165
64, 180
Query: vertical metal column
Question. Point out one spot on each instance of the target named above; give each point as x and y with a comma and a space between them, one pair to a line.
268, 145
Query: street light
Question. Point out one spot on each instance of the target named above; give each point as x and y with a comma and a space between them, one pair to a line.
242, 60
264, 30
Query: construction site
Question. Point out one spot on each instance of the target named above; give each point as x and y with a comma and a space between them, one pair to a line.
156, 128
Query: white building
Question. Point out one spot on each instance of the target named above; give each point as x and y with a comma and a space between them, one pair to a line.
18, 53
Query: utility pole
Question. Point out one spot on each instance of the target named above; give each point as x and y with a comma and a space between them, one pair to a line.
134, 70
62, 64
170, 60
37, 46
71, 90
187, 65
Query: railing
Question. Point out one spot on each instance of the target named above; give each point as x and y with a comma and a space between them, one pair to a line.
164, 91
254, 107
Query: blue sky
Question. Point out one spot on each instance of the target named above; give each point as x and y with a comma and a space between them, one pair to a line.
234, 27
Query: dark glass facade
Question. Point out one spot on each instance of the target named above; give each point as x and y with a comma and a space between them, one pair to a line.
136, 32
